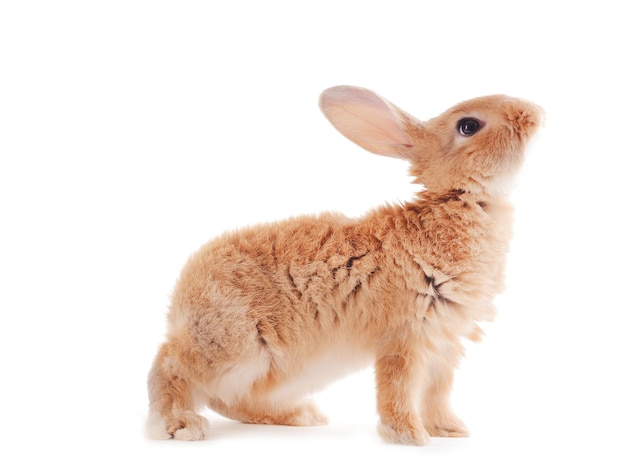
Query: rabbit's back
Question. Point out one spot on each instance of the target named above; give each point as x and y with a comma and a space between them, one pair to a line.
301, 273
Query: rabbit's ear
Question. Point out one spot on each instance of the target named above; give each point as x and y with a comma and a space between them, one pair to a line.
368, 120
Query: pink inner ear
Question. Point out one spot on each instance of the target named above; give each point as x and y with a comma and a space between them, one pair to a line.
367, 119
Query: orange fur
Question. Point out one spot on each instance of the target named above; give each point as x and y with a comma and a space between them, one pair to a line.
265, 315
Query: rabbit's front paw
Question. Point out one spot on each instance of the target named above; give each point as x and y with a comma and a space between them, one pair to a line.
445, 425
406, 433
449, 430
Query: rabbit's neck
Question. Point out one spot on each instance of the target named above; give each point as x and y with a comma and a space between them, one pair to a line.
453, 231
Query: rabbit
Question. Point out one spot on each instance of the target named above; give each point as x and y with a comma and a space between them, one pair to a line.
263, 316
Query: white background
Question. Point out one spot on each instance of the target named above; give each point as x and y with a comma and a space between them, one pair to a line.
132, 132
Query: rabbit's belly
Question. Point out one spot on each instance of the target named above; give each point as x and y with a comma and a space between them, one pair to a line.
318, 372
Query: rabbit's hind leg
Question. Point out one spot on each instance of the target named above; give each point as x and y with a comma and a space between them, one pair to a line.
298, 413
172, 408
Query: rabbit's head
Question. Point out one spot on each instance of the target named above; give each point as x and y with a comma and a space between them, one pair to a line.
476, 146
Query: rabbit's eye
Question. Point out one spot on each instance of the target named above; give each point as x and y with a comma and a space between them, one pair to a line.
468, 126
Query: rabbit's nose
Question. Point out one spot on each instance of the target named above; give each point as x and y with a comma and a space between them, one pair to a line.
526, 117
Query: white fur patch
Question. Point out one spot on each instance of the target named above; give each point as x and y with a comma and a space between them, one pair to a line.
238, 380
321, 371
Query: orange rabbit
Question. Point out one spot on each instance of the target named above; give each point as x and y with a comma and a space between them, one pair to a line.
263, 316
